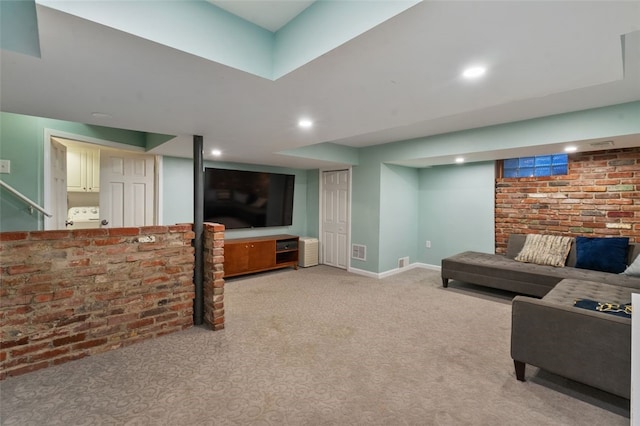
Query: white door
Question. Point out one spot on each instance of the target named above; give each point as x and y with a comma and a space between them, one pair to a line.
58, 190
335, 218
126, 189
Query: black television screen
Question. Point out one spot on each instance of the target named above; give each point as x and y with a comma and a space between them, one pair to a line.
243, 199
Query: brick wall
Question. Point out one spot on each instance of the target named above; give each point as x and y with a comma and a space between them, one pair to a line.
65, 295
599, 197
213, 275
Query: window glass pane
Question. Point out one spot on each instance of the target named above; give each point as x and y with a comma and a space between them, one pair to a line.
511, 163
526, 172
543, 160
527, 162
539, 165
560, 170
510, 173
559, 159
543, 171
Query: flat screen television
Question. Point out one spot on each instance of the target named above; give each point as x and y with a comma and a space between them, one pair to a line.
244, 199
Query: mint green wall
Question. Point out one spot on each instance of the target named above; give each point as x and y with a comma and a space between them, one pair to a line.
325, 25
313, 203
196, 27
365, 209
398, 215
177, 194
19, 27
456, 205
22, 142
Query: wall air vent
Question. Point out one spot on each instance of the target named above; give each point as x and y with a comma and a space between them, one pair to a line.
601, 144
359, 251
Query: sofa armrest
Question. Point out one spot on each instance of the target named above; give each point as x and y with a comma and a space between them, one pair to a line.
590, 347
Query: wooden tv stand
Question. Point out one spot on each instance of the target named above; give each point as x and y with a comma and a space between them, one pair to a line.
257, 254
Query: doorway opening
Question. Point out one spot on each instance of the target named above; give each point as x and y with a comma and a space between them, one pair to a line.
97, 184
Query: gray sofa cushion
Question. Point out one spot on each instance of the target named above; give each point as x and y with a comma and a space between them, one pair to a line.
587, 346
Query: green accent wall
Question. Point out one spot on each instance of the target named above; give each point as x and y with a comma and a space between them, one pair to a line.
365, 209
19, 27
456, 205
399, 215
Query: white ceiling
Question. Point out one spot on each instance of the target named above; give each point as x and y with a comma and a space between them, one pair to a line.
397, 81
269, 14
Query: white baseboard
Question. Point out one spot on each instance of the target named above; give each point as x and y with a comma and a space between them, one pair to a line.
391, 272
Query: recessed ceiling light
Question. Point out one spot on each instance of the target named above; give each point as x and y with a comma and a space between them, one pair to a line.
474, 72
216, 152
305, 123
460, 160
571, 149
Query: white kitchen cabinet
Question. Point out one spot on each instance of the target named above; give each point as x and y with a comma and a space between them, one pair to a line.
83, 169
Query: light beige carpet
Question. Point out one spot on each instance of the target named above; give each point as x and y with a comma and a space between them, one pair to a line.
319, 346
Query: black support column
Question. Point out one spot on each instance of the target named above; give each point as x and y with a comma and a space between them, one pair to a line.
198, 228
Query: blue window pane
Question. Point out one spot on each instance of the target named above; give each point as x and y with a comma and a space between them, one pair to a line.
543, 160
526, 172
559, 170
511, 163
543, 171
510, 173
559, 159
527, 162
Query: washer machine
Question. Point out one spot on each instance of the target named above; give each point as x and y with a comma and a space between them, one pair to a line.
83, 218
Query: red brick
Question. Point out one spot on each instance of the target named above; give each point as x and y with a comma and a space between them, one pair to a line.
13, 236
50, 235
118, 232
108, 241
90, 233
69, 339
90, 344
27, 369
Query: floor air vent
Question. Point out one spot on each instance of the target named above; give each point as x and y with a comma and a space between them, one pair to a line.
359, 251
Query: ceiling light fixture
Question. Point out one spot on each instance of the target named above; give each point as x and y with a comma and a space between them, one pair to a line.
571, 149
474, 72
216, 152
305, 123
460, 160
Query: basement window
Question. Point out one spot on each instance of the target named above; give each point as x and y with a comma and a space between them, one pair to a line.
536, 166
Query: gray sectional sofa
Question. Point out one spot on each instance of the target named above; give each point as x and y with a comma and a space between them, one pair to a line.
503, 272
551, 333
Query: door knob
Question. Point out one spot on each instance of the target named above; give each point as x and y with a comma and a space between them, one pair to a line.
104, 222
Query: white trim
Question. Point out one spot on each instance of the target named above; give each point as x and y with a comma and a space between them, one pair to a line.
394, 271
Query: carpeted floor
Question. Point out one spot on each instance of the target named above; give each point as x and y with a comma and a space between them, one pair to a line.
319, 346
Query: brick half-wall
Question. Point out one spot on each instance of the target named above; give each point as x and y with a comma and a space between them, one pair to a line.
599, 197
214, 275
65, 295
